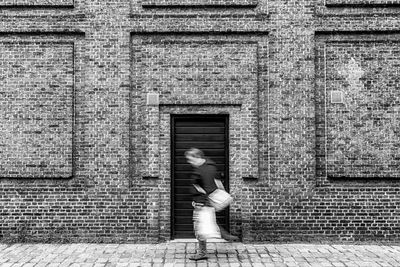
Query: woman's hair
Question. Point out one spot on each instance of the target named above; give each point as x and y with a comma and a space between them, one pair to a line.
194, 152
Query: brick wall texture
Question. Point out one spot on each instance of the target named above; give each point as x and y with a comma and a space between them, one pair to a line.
84, 158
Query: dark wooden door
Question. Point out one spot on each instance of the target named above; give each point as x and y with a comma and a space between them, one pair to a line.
210, 134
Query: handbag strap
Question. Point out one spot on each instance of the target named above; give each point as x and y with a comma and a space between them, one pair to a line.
219, 184
199, 189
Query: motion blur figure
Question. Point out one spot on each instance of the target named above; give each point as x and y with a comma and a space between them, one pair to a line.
203, 179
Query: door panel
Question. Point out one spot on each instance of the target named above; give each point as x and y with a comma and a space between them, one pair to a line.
203, 145
210, 134
200, 137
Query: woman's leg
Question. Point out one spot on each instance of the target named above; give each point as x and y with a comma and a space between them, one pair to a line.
202, 249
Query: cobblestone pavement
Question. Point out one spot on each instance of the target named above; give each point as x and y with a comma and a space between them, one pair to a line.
177, 254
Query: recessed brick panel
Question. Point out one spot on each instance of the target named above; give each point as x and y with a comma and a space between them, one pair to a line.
197, 74
36, 106
169, 3
36, 2
203, 72
363, 133
199, 70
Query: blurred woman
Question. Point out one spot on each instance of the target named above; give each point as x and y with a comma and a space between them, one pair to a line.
203, 179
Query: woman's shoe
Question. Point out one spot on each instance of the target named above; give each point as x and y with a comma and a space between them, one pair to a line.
201, 252
198, 256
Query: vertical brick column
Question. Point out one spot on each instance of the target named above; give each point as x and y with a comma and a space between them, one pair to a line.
152, 142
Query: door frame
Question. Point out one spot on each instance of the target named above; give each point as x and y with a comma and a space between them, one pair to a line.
172, 149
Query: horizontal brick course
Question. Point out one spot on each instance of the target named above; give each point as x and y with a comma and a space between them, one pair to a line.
364, 3
189, 3
34, 3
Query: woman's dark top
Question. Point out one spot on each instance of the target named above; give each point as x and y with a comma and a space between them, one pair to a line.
204, 176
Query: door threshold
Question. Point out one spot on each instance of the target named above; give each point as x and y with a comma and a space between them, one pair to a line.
194, 240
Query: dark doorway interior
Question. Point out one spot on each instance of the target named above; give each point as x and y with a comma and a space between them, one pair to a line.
210, 134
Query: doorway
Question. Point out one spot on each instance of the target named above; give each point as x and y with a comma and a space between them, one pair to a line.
210, 133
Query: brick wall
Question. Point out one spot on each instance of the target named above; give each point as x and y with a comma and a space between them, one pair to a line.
197, 3
359, 135
37, 109
35, 3
85, 159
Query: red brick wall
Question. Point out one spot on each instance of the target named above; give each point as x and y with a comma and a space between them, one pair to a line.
77, 138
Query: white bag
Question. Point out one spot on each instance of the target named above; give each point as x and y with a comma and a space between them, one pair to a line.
205, 223
220, 199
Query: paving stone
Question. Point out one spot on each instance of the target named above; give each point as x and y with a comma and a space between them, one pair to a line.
176, 254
